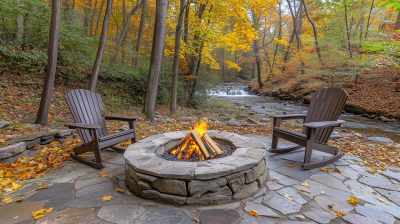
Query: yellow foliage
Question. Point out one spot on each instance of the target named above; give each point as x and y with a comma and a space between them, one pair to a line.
233, 65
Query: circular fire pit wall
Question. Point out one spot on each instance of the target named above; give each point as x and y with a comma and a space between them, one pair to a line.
214, 181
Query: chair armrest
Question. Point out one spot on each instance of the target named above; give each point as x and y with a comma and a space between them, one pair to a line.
120, 118
83, 126
323, 124
289, 116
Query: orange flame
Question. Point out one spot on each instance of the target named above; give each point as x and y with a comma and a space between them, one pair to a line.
190, 144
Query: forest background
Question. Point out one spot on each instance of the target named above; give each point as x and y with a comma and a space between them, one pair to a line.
286, 46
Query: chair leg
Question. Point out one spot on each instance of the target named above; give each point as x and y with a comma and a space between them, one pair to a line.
308, 152
132, 125
274, 144
88, 148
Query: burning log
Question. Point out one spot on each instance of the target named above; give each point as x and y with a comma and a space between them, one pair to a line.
212, 145
196, 136
197, 145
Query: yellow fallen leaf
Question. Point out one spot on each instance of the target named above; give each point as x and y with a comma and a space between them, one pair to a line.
19, 200
353, 200
48, 209
290, 165
120, 190
40, 183
326, 169
381, 199
194, 210
40, 188
7, 200
253, 213
16, 186
305, 184
38, 217
288, 197
103, 175
196, 220
107, 197
372, 171
383, 169
339, 214
305, 191
337, 170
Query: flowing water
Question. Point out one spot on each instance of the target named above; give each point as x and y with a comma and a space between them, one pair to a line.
264, 105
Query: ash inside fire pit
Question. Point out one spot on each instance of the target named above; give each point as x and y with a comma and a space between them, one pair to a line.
226, 151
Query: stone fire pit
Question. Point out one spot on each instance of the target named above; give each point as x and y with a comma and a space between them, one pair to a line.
214, 181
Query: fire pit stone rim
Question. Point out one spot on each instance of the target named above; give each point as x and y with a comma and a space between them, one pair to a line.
143, 160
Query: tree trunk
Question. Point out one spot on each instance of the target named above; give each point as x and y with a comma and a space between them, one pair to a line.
369, 16
348, 33
86, 15
315, 31
126, 28
92, 19
20, 26
98, 18
186, 34
156, 58
300, 27
140, 33
102, 45
43, 112
256, 53
175, 68
397, 26
279, 34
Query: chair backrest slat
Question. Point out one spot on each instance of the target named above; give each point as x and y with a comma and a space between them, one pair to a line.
326, 105
85, 107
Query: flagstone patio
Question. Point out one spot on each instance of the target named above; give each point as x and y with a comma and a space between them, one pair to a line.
75, 192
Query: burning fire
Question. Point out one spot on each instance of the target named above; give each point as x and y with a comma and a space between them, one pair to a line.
189, 148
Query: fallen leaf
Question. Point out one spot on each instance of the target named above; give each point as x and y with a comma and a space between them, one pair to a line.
353, 200
383, 169
103, 175
196, 220
337, 170
38, 217
288, 197
326, 169
7, 200
305, 184
194, 210
107, 197
128, 192
120, 190
290, 165
40, 188
381, 200
305, 191
339, 214
331, 206
322, 192
253, 213
19, 200
16, 186
372, 171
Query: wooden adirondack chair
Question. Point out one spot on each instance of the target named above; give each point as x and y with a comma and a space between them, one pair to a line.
86, 107
321, 118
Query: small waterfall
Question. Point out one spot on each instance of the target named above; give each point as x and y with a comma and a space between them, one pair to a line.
232, 92
216, 92
237, 92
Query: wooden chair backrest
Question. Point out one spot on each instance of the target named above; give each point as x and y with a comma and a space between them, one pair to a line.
86, 107
326, 105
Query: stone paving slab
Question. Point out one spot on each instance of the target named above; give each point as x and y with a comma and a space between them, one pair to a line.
164, 215
375, 214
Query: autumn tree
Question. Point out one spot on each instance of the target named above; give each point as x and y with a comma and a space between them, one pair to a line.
43, 112
156, 58
102, 45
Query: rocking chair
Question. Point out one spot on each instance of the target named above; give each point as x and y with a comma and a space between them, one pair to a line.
325, 108
86, 107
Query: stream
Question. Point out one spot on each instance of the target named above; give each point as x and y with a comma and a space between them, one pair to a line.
234, 93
